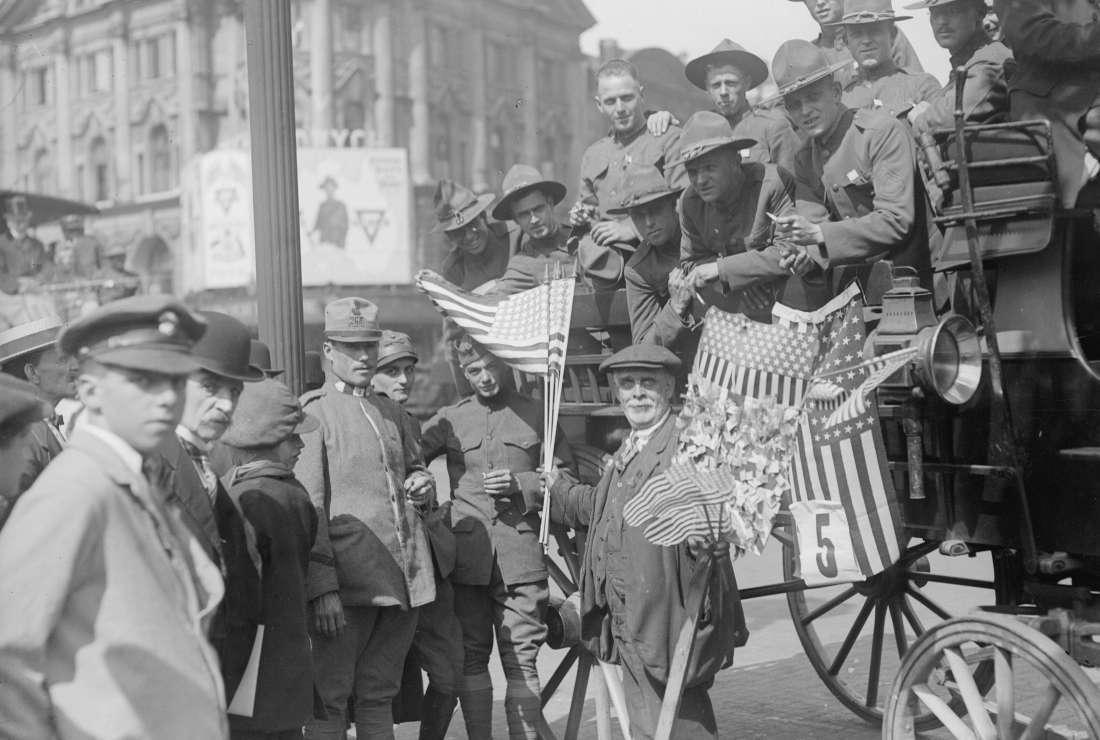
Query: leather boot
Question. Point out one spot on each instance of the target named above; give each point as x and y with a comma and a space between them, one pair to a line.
435, 714
477, 711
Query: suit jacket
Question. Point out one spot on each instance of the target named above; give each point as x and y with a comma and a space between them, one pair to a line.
1056, 76
44, 443
860, 183
105, 599
657, 578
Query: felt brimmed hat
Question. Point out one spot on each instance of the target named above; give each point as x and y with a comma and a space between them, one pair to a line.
259, 355
29, 337
226, 348
456, 206
642, 183
520, 181
704, 132
938, 3
727, 52
799, 63
267, 412
394, 346
154, 333
861, 12
352, 320
642, 355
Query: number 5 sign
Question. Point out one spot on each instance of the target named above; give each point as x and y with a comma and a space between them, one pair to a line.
825, 547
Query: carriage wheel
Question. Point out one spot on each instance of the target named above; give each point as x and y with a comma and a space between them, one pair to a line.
1037, 689
894, 606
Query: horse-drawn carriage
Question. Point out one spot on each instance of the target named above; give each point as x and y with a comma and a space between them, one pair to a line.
993, 437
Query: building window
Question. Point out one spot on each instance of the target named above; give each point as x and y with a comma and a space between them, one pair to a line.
100, 158
95, 72
80, 188
155, 57
499, 64
160, 159
349, 36
38, 86
139, 169
43, 171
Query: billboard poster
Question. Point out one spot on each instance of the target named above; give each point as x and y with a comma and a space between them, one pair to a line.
226, 225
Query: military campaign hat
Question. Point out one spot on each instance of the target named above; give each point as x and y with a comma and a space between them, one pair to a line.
799, 63
704, 132
456, 206
153, 333
225, 348
267, 412
19, 402
520, 181
468, 351
860, 12
642, 183
642, 355
394, 346
259, 355
727, 52
352, 320
29, 337
939, 3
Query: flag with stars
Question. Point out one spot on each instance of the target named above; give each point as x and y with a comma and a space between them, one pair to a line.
846, 461
527, 330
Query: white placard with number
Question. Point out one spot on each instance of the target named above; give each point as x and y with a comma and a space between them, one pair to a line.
825, 546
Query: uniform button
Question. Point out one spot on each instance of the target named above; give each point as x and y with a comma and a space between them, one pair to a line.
836, 188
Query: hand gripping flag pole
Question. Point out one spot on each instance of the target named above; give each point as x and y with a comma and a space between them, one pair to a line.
558, 314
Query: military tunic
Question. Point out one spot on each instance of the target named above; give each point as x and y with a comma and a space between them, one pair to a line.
901, 51
470, 271
776, 140
896, 91
531, 258
985, 93
652, 317
860, 184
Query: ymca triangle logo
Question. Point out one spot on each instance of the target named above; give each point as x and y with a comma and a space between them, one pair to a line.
372, 220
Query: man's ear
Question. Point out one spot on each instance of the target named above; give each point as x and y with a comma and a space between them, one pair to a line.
30, 372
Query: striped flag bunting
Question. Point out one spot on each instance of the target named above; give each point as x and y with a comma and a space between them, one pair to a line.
680, 502
527, 330
846, 461
878, 370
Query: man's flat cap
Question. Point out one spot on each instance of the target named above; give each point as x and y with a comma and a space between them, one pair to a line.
395, 346
266, 414
153, 333
642, 355
19, 402
352, 320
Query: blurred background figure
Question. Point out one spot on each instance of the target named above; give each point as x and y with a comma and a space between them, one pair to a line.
20, 409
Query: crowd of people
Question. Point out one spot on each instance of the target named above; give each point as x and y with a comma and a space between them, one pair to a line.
189, 550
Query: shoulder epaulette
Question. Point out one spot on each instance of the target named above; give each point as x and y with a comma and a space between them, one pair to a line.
311, 396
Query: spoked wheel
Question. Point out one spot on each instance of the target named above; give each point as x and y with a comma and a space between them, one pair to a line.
855, 635
1037, 690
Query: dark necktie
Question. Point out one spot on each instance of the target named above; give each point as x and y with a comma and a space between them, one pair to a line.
205, 469
627, 452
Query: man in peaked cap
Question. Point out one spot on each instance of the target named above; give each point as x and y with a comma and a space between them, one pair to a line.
831, 40
371, 567
727, 235
631, 589
859, 197
210, 398
437, 645
958, 27
478, 249
541, 242
879, 82
112, 594
726, 75
493, 447
29, 352
620, 99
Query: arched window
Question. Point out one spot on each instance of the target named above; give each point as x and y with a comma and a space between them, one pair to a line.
100, 158
43, 171
160, 159
441, 146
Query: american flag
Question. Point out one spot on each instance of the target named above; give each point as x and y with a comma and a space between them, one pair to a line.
680, 502
878, 370
845, 462
527, 330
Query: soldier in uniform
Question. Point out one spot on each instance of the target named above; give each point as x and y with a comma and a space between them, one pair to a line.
437, 645
859, 199
726, 75
620, 99
879, 82
479, 249
210, 399
725, 218
29, 352
540, 242
958, 27
492, 447
632, 591
1057, 78
104, 614
371, 568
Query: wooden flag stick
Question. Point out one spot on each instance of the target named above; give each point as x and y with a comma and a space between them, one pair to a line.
618, 696
685, 645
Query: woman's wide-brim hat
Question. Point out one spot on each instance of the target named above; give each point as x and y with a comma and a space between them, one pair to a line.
24, 339
705, 132
456, 206
520, 181
862, 12
727, 53
798, 64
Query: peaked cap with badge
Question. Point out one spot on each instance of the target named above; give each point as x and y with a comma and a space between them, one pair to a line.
395, 346
727, 53
456, 206
225, 348
520, 181
797, 64
32, 336
352, 320
151, 333
642, 184
704, 132
863, 12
